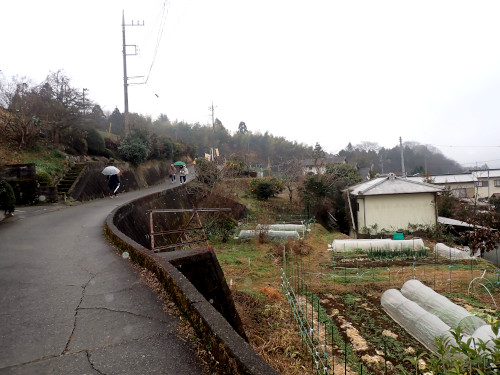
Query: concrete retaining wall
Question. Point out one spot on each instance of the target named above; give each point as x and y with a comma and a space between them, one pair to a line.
92, 184
196, 283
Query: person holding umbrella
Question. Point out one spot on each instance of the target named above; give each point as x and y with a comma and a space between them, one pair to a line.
111, 174
182, 171
182, 174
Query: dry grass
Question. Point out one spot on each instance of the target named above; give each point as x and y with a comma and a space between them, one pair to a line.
272, 332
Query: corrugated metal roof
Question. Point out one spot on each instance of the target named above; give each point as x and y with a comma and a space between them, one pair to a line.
392, 185
493, 173
456, 223
460, 178
447, 178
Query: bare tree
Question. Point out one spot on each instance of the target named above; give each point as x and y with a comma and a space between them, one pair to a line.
18, 121
368, 146
292, 172
52, 106
483, 237
63, 105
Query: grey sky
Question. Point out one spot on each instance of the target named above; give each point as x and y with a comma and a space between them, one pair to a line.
318, 71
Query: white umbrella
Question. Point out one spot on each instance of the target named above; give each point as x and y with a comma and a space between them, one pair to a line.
110, 170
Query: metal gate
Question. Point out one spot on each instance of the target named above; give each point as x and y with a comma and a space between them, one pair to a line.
193, 226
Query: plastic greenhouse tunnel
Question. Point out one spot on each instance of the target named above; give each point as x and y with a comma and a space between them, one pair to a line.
427, 315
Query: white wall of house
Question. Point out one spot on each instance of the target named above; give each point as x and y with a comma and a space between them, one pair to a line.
482, 187
461, 190
393, 212
473, 185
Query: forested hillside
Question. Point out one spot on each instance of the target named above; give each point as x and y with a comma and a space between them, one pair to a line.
55, 113
418, 158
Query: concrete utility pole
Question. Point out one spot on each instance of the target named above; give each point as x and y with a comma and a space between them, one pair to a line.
125, 77
83, 101
402, 158
211, 108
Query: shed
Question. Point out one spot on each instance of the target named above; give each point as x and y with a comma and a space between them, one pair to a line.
391, 203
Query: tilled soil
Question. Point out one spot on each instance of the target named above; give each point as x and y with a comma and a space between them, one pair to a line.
371, 333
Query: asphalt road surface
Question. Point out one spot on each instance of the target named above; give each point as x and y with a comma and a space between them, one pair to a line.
70, 304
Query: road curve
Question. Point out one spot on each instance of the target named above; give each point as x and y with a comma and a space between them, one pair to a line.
69, 304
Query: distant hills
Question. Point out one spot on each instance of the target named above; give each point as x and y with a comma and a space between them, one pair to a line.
418, 159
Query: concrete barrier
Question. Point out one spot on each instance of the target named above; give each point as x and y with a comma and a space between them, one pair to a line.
196, 283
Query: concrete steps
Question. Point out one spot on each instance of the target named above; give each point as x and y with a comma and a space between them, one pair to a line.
69, 178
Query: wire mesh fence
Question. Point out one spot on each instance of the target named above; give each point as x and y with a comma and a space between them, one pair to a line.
444, 274
328, 345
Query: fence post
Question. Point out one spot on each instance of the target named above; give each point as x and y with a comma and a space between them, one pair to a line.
305, 299
345, 353
312, 318
450, 277
333, 355
298, 277
385, 358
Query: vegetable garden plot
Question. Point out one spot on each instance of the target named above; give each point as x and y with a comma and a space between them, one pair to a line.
362, 336
383, 337
354, 272
372, 334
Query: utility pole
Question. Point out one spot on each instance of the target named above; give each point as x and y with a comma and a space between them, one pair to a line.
211, 108
402, 158
83, 101
125, 77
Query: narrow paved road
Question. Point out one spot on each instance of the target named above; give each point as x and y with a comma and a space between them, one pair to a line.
69, 304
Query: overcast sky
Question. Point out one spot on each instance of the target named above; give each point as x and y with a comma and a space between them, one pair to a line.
327, 71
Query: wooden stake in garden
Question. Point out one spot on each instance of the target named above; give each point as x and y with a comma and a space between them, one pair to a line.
333, 355
345, 353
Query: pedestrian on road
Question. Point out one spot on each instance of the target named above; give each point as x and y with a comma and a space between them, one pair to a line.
183, 173
113, 184
173, 172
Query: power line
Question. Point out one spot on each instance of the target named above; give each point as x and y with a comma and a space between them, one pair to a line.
156, 14
158, 37
481, 161
463, 146
470, 146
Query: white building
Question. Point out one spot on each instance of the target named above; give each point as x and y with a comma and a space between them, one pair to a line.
318, 166
392, 203
480, 184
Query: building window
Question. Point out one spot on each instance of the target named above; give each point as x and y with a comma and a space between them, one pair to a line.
481, 183
460, 193
497, 183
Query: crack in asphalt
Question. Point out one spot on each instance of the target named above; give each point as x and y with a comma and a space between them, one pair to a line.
66, 348
125, 312
87, 351
92, 364
29, 362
